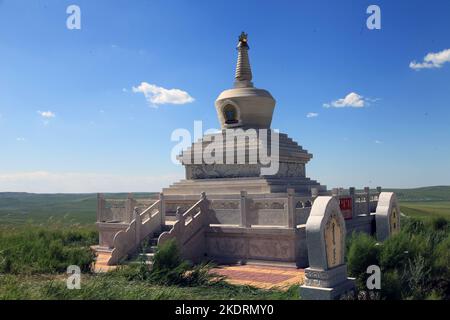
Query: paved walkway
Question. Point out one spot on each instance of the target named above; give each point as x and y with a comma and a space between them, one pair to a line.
100, 265
264, 277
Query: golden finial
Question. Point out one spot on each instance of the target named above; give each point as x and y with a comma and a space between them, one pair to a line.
243, 37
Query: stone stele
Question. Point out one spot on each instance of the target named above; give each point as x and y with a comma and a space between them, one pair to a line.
326, 277
387, 216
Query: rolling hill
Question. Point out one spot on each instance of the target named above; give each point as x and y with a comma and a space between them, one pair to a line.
19, 208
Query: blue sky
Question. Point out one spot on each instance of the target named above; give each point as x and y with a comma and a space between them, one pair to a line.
70, 121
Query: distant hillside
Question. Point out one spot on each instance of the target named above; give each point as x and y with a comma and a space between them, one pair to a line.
38, 208
437, 193
16, 207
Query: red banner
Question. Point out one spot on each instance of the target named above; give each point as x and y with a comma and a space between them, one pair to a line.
346, 207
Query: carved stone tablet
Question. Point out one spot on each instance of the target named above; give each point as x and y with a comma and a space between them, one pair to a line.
387, 216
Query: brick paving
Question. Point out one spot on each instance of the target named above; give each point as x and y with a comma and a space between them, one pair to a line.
264, 277
100, 264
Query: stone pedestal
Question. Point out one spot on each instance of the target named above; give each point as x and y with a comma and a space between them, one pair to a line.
326, 284
326, 278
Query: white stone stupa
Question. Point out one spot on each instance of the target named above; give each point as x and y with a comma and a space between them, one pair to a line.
246, 199
243, 110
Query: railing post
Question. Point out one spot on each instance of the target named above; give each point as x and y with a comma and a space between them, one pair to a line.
243, 207
367, 192
129, 208
352, 191
138, 223
100, 207
291, 208
335, 192
378, 192
179, 214
205, 207
314, 193
162, 208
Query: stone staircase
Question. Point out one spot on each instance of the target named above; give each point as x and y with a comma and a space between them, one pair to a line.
103, 255
149, 246
145, 252
139, 240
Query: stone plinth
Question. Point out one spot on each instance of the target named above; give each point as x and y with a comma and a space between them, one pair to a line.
246, 173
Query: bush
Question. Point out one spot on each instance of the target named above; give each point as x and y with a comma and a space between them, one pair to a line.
33, 249
413, 226
363, 251
167, 257
170, 269
391, 285
395, 251
415, 263
439, 224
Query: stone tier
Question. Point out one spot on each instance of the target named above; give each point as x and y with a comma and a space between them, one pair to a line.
232, 178
253, 185
291, 157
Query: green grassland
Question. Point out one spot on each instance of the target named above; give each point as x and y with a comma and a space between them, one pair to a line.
424, 194
115, 287
40, 234
426, 209
20, 208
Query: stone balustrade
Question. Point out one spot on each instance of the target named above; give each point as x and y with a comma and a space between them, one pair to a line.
246, 210
120, 210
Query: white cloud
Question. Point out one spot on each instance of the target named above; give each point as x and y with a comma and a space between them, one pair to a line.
353, 100
80, 182
378, 142
47, 114
312, 115
158, 95
20, 139
432, 60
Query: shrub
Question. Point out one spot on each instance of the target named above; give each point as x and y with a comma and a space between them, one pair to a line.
169, 268
33, 249
363, 251
395, 251
391, 285
167, 256
439, 223
415, 263
413, 226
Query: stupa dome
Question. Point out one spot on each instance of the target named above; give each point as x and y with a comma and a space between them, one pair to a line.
244, 106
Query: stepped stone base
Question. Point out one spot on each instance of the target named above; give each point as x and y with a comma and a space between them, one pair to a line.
232, 178
328, 284
257, 185
315, 293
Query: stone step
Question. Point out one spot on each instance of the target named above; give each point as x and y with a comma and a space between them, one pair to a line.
148, 256
99, 249
247, 181
151, 249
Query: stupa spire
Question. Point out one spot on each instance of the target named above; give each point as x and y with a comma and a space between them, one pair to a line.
243, 74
